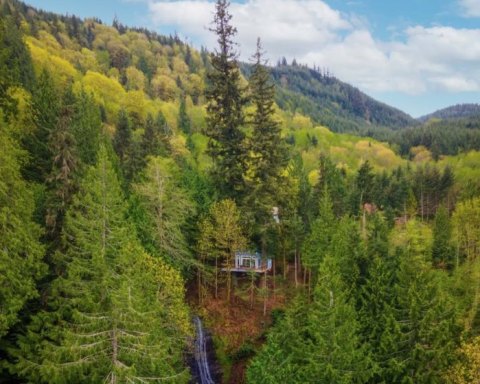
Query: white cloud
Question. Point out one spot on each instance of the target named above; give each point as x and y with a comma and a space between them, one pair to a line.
471, 8
422, 60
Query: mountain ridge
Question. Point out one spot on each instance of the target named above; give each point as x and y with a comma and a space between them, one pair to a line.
453, 112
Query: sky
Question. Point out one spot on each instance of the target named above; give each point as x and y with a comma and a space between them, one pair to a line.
416, 55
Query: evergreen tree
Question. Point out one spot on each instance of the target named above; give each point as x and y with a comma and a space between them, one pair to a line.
364, 184
320, 344
61, 181
46, 105
319, 240
116, 314
155, 137
86, 128
331, 178
335, 353
283, 350
168, 207
16, 68
268, 151
122, 140
183, 119
424, 318
443, 254
225, 103
20, 250
376, 302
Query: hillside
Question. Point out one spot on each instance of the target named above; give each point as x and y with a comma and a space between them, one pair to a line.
331, 102
459, 111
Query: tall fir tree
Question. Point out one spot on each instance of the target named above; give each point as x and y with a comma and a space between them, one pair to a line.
225, 115
116, 314
168, 207
319, 240
122, 140
62, 179
184, 122
268, 154
46, 103
424, 317
333, 179
155, 137
335, 353
20, 250
443, 254
86, 127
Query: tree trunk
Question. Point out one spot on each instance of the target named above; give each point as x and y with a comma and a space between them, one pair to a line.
274, 269
199, 281
421, 203
299, 257
252, 289
113, 377
216, 277
364, 225
229, 283
309, 284
296, 268
265, 297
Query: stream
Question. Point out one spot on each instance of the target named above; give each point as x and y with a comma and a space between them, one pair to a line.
202, 365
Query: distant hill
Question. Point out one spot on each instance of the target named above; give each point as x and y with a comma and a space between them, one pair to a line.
331, 102
459, 111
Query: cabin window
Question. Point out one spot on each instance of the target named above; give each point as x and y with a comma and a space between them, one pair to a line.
248, 263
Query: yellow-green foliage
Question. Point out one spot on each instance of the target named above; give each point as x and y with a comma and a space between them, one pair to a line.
415, 237
94, 70
107, 92
42, 58
200, 143
466, 167
346, 150
170, 292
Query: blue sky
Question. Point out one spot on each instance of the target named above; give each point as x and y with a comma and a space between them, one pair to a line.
416, 55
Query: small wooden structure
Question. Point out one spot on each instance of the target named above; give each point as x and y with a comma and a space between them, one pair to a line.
250, 262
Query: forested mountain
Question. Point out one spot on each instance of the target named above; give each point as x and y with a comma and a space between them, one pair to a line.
136, 169
331, 102
458, 111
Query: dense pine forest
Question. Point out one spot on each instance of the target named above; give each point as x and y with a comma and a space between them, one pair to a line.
134, 168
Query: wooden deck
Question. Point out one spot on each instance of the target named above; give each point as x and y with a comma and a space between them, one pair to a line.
247, 270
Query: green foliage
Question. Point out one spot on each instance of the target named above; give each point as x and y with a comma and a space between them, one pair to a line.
106, 320
225, 115
221, 235
123, 136
112, 306
16, 67
155, 137
321, 344
167, 208
319, 240
268, 156
20, 250
86, 128
332, 103
46, 104
61, 181
184, 123
443, 254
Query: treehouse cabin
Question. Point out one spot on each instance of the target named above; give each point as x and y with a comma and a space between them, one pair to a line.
250, 262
